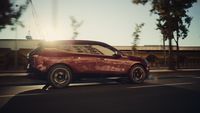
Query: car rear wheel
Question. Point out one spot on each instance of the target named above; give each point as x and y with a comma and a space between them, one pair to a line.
59, 76
137, 74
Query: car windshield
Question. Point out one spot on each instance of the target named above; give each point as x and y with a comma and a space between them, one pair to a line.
104, 50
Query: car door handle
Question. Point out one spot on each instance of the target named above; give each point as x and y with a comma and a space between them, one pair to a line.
102, 58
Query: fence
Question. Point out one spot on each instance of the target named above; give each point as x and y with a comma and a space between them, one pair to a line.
7, 59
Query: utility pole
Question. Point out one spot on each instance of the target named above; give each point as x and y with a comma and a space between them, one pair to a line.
16, 49
54, 16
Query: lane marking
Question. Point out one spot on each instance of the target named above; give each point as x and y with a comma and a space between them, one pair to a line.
161, 85
85, 84
20, 95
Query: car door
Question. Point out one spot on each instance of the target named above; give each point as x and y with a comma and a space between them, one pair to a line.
110, 64
83, 60
107, 62
85, 63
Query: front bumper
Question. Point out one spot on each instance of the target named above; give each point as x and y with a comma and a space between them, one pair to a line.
31, 69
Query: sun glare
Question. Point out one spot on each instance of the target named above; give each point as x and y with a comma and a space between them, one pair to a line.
52, 35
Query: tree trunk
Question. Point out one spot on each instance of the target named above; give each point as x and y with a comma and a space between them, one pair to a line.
164, 52
171, 61
177, 55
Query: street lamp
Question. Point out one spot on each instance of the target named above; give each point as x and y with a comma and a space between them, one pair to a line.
28, 36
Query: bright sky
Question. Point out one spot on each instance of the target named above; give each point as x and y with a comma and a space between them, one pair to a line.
110, 21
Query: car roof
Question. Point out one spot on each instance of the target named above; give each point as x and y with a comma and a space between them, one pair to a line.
81, 41
75, 42
72, 42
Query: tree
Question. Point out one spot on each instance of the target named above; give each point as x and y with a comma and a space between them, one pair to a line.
10, 12
75, 25
173, 21
136, 36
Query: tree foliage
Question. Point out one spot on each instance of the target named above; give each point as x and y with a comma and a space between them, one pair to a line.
10, 12
136, 35
173, 20
75, 25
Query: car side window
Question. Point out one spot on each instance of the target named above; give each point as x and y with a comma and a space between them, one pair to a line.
105, 51
81, 49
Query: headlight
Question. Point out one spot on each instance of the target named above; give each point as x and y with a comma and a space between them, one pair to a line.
146, 61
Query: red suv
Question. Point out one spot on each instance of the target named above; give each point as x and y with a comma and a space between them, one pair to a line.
63, 60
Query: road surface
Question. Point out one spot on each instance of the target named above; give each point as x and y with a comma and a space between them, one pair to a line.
177, 94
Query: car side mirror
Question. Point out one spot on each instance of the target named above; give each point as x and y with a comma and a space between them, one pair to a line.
117, 55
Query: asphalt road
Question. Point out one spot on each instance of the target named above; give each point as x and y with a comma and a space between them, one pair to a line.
177, 94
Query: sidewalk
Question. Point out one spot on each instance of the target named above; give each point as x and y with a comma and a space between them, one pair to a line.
178, 70
175, 72
17, 78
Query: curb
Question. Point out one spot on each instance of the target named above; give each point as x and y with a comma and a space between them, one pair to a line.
13, 71
178, 70
19, 74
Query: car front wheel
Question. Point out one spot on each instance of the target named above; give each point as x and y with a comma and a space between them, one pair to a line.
137, 74
59, 76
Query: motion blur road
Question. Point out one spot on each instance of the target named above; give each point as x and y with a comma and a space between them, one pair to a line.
166, 94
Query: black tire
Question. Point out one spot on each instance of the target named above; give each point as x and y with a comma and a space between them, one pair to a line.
59, 76
137, 74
